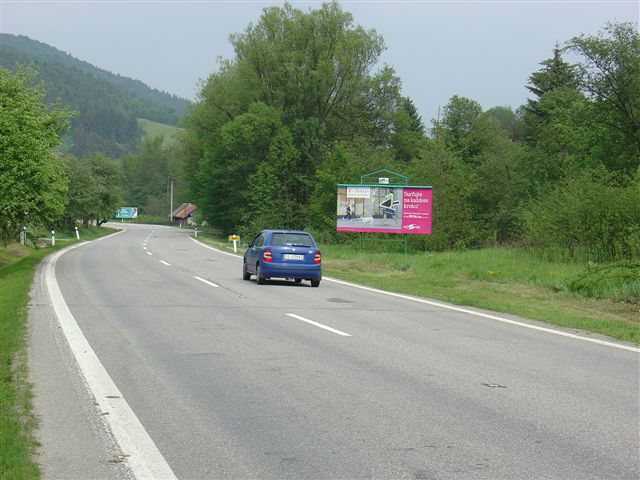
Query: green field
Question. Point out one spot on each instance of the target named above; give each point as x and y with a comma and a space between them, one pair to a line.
17, 422
154, 129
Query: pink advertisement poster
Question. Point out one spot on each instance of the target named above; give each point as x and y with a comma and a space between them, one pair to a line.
384, 209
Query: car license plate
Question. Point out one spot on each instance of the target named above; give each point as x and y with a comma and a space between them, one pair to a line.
291, 256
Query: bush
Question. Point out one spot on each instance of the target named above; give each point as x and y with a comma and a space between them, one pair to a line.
618, 281
592, 213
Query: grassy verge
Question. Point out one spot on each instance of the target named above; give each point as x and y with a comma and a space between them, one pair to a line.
17, 423
602, 299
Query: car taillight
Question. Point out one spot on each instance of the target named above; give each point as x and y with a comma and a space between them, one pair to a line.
266, 256
316, 257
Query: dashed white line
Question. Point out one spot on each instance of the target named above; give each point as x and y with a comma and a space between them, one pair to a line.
320, 325
149, 253
165, 263
206, 281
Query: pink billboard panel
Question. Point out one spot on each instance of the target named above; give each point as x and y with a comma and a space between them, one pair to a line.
384, 209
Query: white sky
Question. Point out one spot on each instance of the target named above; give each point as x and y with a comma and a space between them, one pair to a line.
483, 50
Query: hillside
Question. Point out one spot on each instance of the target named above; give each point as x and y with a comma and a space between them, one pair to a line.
108, 105
153, 129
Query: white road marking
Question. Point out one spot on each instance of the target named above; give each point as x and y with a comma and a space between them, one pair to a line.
165, 263
206, 281
144, 459
214, 249
149, 253
461, 310
298, 317
144, 248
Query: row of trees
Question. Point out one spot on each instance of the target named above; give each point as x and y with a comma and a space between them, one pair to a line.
300, 108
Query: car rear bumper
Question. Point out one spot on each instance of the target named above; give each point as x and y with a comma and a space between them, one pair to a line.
274, 270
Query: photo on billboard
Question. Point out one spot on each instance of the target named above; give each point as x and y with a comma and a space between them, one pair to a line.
384, 209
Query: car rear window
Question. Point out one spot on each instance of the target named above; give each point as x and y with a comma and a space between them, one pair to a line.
291, 239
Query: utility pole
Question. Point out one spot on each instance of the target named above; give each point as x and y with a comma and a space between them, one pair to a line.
171, 201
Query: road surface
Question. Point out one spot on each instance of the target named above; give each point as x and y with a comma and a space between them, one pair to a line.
216, 377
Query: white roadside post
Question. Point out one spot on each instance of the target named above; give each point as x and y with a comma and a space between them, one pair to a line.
234, 239
77, 234
196, 232
53, 238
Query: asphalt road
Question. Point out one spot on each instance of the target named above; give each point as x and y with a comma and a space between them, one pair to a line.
234, 380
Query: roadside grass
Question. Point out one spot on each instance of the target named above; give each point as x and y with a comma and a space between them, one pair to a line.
602, 299
17, 422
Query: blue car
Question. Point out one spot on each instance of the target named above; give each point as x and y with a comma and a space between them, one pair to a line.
288, 254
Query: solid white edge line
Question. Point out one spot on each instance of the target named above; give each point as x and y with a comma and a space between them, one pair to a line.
461, 310
320, 325
206, 281
165, 263
486, 315
144, 459
212, 248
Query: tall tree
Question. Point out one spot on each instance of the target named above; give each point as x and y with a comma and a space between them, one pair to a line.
555, 73
610, 75
33, 185
458, 122
408, 131
309, 65
308, 76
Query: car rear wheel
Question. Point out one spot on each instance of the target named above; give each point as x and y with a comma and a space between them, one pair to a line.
245, 275
315, 283
259, 276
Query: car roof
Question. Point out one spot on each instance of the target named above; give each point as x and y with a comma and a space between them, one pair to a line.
286, 231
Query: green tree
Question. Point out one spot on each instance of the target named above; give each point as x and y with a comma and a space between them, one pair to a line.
303, 76
610, 76
230, 159
454, 183
310, 66
95, 189
83, 192
408, 131
458, 121
107, 175
33, 185
276, 189
555, 73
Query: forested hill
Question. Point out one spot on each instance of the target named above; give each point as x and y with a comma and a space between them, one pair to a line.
107, 104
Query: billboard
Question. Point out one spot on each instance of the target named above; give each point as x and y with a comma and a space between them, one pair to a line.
384, 209
127, 212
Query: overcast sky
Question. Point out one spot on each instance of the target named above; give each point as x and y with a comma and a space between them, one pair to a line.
483, 50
